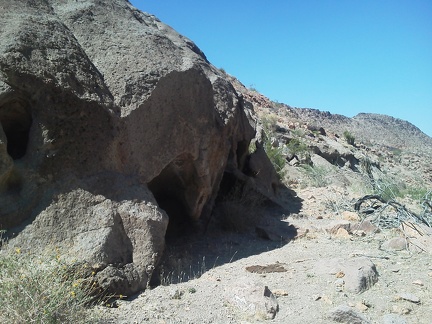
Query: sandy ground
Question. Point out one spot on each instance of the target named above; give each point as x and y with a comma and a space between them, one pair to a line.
209, 282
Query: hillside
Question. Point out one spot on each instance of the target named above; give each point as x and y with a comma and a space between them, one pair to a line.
371, 128
395, 146
366, 127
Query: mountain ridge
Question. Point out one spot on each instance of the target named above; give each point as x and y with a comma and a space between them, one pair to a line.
372, 128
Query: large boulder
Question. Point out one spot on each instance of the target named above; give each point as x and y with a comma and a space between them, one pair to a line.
113, 127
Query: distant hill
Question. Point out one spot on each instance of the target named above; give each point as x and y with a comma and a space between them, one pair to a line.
370, 127
366, 127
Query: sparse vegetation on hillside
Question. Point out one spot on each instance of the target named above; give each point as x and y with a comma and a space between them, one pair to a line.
386, 198
274, 152
276, 156
318, 176
349, 138
297, 147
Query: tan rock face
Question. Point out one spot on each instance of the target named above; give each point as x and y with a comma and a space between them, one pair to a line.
111, 123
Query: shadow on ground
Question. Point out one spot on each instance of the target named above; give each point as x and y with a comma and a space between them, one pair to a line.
192, 253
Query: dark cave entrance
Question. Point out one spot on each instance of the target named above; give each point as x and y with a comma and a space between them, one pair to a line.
16, 120
169, 188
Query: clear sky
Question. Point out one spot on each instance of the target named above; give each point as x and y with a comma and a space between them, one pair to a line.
341, 56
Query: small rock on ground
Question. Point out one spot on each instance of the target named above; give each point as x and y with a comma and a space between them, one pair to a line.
345, 314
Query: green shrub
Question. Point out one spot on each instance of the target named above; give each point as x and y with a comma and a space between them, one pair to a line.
318, 176
252, 147
298, 132
388, 189
387, 186
349, 138
275, 154
417, 193
41, 289
277, 158
297, 147
396, 151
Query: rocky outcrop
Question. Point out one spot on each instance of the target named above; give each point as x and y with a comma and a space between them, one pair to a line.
112, 127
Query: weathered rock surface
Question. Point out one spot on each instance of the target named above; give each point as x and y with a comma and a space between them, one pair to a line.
345, 314
359, 274
409, 297
253, 300
111, 124
395, 244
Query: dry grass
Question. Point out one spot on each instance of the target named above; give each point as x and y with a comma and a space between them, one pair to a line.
41, 289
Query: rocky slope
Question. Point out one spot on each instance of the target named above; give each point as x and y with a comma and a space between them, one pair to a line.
366, 127
372, 128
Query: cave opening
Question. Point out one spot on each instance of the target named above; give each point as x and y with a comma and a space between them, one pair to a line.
169, 188
16, 121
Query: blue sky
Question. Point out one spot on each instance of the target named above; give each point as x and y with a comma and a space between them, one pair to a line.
341, 56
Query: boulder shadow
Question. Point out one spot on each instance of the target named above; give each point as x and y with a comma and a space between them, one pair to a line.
235, 231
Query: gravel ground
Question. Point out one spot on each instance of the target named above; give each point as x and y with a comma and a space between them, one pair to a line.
303, 270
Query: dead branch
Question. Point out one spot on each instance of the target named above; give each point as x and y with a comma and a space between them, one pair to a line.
402, 213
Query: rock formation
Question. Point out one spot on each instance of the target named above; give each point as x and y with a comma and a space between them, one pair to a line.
112, 126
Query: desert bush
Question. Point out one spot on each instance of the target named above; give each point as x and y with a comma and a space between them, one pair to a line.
252, 147
318, 176
395, 151
417, 193
297, 147
41, 289
382, 184
349, 138
388, 188
298, 132
391, 192
426, 205
276, 156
